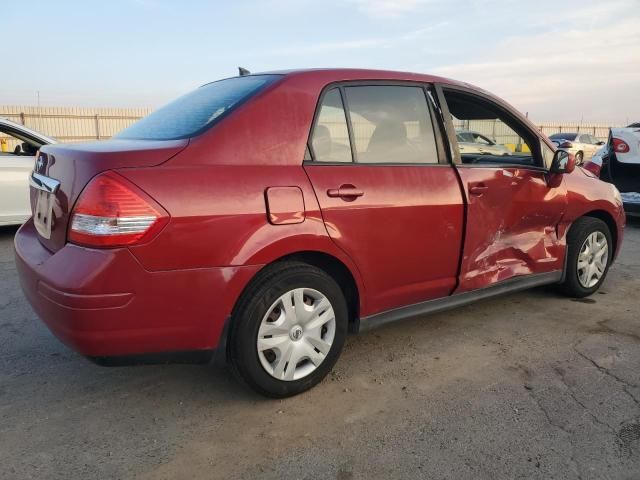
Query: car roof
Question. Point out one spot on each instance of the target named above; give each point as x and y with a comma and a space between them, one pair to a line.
344, 74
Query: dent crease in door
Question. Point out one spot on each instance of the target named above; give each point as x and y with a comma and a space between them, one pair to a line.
511, 226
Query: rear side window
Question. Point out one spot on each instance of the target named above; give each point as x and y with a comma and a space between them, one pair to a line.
198, 110
330, 138
391, 124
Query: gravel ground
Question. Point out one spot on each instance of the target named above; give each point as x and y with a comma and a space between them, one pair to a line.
530, 385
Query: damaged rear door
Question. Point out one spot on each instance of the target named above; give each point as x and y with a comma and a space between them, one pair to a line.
512, 208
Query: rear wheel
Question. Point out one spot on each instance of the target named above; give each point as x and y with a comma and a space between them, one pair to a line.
589, 250
288, 330
579, 157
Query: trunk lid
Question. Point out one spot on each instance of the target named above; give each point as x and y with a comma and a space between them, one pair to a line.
73, 165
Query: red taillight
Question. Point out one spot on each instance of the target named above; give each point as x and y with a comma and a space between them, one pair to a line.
566, 144
620, 146
112, 212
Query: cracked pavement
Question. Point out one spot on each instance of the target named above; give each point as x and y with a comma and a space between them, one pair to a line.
529, 385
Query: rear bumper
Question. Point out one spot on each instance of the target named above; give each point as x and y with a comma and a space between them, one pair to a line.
104, 303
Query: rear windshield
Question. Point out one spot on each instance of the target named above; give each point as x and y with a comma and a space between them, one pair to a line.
192, 113
563, 136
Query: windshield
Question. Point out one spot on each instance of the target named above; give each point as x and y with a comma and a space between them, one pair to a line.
192, 113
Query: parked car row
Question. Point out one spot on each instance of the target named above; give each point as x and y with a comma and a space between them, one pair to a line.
262, 217
474, 142
581, 145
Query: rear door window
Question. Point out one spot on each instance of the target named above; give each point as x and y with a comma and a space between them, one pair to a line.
330, 136
391, 124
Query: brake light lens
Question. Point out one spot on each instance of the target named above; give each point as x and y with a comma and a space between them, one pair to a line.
593, 167
113, 212
620, 146
566, 144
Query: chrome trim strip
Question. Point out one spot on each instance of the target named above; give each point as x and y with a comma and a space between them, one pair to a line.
46, 184
457, 300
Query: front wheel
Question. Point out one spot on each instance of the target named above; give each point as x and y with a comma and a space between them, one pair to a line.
579, 157
288, 330
589, 253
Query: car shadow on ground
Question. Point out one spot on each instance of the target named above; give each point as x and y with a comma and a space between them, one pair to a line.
8, 230
633, 222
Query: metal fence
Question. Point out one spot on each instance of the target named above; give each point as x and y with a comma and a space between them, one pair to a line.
70, 124
502, 134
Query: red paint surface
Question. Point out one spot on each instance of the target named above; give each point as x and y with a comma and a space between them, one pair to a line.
511, 226
404, 240
404, 233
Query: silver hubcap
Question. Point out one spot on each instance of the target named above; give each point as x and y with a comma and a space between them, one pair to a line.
592, 260
296, 334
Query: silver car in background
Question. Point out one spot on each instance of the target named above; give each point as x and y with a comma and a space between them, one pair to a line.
581, 145
474, 142
19, 145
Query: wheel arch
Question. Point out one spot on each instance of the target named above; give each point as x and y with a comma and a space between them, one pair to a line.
608, 219
339, 271
333, 266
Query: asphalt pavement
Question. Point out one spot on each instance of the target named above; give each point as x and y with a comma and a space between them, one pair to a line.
529, 385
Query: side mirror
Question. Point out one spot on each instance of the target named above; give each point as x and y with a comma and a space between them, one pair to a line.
601, 143
563, 162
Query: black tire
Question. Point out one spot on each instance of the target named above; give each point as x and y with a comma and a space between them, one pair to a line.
580, 230
579, 158
272, 282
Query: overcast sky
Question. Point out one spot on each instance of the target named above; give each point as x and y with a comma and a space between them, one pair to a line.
557, 60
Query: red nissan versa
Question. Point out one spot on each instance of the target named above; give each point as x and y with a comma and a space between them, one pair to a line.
265, 216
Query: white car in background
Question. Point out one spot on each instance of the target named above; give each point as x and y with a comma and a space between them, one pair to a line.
581, 145
618, 162
17, 158
474, 142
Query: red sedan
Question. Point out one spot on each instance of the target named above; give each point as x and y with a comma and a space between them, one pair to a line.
263, 217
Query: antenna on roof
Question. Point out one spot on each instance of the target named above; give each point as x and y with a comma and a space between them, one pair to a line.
243, 72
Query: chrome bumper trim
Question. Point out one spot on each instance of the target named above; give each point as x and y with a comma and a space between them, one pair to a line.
46, 184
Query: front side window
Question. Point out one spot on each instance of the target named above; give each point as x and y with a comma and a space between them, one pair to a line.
192, 113
391, 124
330, 136
514, 143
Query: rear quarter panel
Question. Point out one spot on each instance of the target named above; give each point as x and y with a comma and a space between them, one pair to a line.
214, 189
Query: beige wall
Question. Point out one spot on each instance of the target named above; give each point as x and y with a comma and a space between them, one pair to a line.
70, 124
